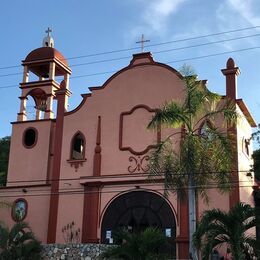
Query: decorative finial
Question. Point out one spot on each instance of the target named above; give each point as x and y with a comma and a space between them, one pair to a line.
48, 40
142, 41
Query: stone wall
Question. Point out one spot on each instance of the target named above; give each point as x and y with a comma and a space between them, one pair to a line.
73, 251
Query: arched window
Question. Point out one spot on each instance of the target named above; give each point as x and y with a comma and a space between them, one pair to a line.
78, 147
205, 130
246, 146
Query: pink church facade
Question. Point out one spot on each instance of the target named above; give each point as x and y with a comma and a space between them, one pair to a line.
90, 165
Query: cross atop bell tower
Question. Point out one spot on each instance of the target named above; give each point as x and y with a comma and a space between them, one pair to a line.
142, 41
48, 31
48, 40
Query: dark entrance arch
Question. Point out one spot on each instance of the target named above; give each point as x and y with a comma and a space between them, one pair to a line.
137, 210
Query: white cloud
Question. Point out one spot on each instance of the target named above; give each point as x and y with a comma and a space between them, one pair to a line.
239, 12
247, 10
155, 16
235, 14
158, 12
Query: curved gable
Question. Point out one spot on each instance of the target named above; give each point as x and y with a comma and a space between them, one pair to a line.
142, 68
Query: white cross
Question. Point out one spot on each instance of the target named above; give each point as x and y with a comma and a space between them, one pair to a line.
142, 41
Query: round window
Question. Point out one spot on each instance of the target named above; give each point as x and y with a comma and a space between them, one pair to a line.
30, 137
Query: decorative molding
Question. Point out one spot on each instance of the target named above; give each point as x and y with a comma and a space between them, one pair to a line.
33, 121
22, 186
76, 163
121, 125
142, 55
246, 112
83, 101
138, 164
97, 155
130, 66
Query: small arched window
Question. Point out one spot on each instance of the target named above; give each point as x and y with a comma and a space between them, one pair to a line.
246, 146
78, 147
205, 130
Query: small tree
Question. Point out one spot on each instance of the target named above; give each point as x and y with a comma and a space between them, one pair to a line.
137, 246
256, 157
218, 228
70, 233
205, 154
4, 156
18, 243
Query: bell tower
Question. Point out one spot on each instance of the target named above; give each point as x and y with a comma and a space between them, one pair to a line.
45, 64
45, 79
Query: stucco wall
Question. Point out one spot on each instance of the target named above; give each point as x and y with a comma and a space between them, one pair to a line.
245, 161
29, 164
38, 208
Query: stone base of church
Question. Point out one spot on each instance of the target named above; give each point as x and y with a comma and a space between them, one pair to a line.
73, 251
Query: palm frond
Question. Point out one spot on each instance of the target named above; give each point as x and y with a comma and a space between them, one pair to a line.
17, 228
171, 114
217, 228
136, 245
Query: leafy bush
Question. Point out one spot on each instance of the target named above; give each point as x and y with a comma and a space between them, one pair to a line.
18, 243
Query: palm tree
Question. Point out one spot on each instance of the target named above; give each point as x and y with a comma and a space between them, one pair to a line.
4, 156
218, 228
205, 155
18, 243
137, 246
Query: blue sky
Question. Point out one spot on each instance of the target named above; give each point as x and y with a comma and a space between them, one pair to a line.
81, 28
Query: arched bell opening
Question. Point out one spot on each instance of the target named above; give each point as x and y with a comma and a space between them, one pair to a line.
136, 211
36, 104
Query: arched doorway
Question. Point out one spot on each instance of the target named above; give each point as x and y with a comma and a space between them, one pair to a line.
137, 210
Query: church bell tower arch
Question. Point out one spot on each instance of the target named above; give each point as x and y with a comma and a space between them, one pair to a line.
41, 68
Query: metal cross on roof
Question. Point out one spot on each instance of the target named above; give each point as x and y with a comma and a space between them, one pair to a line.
142, 41
48, 31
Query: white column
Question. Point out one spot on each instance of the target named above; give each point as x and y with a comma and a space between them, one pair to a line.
38, 114
66, 103
67, 80
22, 114
49, 112
52, 71
25, 74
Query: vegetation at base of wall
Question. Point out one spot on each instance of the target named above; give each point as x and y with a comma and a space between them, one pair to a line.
137, 246
70, 233
256, 154
231, 229
4, 156
18, 243
256, 157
